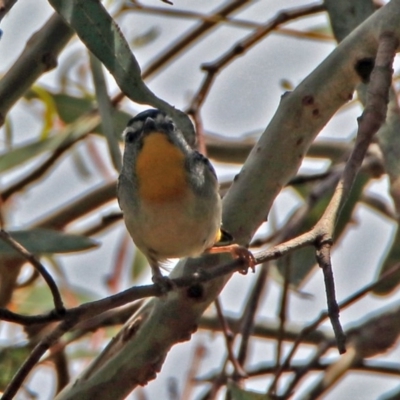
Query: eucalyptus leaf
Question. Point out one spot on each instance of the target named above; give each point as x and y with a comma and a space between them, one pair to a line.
41, 240
70, 108
102, 36
72, 132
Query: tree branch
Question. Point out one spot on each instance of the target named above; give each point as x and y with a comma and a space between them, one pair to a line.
58, 303
39, 56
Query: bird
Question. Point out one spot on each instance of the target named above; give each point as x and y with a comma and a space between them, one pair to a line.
168, 193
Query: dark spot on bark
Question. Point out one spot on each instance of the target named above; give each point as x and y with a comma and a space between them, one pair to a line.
49, 61
299, 141
308, 100
315, 112
364, 68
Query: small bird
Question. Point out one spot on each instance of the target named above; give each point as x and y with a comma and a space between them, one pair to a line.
168, 192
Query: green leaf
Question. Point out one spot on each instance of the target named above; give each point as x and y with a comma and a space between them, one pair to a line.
70, 108
106, 111
72, 132
102, 36
238, 393
40, 240
11, 358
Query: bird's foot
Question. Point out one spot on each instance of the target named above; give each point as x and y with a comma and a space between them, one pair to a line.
238, 252
164, 283
244, 254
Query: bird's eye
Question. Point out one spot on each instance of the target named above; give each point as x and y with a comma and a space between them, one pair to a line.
132, 136
170, 126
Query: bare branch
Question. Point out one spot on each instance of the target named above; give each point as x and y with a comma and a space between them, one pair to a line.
212, 69
5, 7
39, 56
324, 261
58, 303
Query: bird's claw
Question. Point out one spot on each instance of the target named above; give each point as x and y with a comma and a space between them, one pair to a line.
245, 255
164, 283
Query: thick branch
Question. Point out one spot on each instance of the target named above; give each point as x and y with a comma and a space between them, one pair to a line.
5, 7
39, 56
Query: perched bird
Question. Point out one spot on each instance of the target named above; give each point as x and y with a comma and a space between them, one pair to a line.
168, 192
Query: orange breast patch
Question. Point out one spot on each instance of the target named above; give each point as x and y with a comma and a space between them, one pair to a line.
160, 170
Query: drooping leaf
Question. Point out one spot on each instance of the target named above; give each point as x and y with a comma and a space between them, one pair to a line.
41, 240
105, 111
49, 109
70, 108
102, 36
72, 132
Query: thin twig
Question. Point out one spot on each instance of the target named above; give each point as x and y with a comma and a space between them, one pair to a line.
39, 171
85, 311
75, 209
212, 69
185, 14
323, 315
90, 309
187, 40
315, 360
385, 368
282, 318
324, 261
239, 372
198, 355
35, 356
248, 317
105, 222
369, 123
58, 303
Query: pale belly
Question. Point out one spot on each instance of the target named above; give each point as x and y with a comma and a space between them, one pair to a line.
175, 229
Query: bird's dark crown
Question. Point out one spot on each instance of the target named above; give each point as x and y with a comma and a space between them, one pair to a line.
141, 117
